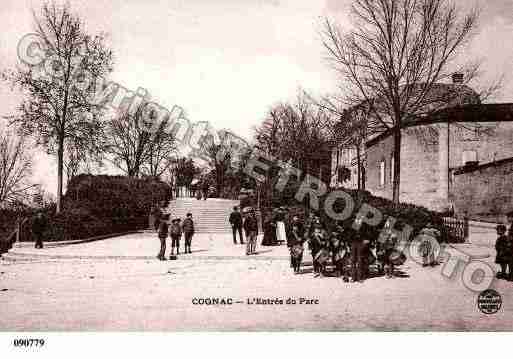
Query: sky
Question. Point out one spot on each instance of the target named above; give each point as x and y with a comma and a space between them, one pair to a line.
226, 61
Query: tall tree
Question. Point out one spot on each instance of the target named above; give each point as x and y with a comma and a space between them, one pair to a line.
395, 58
15, 168
131, 147
58, 105
127, 142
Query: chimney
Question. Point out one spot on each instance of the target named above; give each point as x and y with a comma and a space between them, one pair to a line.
457, 78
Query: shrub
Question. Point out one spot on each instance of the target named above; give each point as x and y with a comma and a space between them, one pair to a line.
102, 205
415, 216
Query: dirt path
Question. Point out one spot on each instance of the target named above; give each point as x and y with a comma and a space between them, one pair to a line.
117, 284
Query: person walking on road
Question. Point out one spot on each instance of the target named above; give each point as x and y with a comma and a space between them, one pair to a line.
162, 234
236, 223
38, 227
176, 233
251, 229
188, 232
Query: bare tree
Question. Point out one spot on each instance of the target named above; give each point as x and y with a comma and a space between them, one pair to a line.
58, 105
161, 151
127, 143
135, 149
292, 130
220, 161
396, 58
15, 168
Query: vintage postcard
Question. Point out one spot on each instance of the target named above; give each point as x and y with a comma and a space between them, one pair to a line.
255, 165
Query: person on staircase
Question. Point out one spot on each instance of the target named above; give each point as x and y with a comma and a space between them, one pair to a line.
236, 223
205, 189
188, 232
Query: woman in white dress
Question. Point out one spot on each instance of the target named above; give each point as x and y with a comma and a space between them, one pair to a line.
281, 234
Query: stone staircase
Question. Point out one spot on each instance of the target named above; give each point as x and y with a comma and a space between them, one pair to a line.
210, 216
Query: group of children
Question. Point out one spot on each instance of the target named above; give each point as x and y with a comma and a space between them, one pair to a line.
504, 247
350, 251
175, 229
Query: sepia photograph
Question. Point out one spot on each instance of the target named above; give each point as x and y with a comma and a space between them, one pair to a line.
255, 166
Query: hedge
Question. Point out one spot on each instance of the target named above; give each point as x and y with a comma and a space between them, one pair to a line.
101, 205
415, 216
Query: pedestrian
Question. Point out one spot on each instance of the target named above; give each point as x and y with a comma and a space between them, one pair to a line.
503, 251
236, 223
176, 233
290, 236
296, 248
269, 226
358, 251
429, 234
162, 234
294, 222
251, 229
205, 188
38, 227
385, 252
188, 232
339, 250
318, 247
281, 234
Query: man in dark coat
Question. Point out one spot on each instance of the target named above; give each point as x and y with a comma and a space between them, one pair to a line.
359, 250
38, 227
251, 229
205, 189
236, 223
188, 231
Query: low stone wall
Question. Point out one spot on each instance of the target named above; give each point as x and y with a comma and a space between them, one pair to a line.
484, 192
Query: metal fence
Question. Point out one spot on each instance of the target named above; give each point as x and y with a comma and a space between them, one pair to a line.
455, 230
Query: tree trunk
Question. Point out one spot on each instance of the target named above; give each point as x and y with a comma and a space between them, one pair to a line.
60, 161
397, 164
359, 166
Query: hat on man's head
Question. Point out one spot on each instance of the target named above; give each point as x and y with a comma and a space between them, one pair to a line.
501, 228
176, 220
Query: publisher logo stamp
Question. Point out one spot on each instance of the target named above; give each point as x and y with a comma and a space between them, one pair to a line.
489, 301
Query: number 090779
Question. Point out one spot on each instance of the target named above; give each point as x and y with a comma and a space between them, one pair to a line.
28, 343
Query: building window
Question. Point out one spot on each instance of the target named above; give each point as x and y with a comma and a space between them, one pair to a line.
382, 173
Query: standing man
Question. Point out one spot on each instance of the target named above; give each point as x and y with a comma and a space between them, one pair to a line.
188, 232
251, 229
162, 234
236, 222
357, 251
38, 228
205, 187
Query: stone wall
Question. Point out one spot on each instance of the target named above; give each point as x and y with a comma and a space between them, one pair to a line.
419, 168
484, 192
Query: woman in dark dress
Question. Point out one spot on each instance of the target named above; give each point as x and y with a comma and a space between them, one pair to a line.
269, 230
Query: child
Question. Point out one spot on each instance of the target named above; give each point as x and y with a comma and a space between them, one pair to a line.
502, 246
319, 251
175, 232
162, 233
338, 252
296, 248
188, 231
